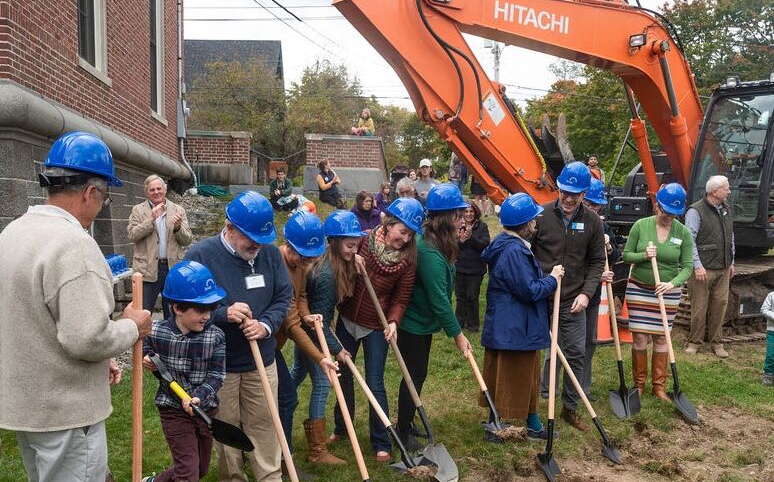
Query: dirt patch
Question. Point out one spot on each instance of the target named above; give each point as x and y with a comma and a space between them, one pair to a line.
728, 445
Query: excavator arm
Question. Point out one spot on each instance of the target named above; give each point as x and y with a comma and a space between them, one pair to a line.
422, 40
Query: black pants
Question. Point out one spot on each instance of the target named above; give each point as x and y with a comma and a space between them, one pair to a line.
151, 291
467, 287
293, 204
416, 353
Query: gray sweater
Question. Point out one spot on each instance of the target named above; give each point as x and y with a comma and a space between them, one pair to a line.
56, 336
767, 310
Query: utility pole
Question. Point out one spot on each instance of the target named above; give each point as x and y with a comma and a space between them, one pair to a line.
496, 48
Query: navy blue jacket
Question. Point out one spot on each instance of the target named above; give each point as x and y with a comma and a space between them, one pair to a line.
517, 297
269, 304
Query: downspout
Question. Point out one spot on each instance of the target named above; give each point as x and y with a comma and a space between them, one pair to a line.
180, 88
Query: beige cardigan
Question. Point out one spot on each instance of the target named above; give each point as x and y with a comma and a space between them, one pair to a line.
56, 336
142, 232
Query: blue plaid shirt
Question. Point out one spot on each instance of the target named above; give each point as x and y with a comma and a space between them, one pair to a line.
197, 361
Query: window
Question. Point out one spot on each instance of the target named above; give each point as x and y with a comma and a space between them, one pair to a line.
157, 57
92, 52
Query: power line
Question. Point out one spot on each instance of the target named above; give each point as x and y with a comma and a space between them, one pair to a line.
263, 19
276, 2
253, 8
295, 30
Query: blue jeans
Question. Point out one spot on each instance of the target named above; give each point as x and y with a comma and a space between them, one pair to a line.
318, 399
287, 397
375, 350
768, 366
152, 289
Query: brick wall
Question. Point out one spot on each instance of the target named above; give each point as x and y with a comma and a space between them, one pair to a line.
345, 151
218, 147
39, 50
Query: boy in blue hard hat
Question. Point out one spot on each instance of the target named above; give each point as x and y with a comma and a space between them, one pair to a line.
249, 267
194, 351
570, 234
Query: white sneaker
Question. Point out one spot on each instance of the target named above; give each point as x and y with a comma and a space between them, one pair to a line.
692, 348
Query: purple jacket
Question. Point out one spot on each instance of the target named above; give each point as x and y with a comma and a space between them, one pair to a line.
381, 202
368, 219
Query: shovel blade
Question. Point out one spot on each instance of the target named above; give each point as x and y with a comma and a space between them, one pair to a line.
548, 465
417, 461
439, 456
633, 399
491, 430
685, 407
618, 405
230, 435
611, 453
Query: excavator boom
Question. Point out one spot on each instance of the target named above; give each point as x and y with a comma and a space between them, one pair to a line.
422, 40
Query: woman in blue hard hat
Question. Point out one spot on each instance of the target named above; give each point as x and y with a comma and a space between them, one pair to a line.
430, 309
516, 323
331, 279
304, 243
389, 253
672, 246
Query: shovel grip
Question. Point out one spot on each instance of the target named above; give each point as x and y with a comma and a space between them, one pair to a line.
137, 386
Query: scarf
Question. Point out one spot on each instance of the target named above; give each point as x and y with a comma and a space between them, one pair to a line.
384, 254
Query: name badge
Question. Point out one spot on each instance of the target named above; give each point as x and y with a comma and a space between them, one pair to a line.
676, 241
254, 281
577, 226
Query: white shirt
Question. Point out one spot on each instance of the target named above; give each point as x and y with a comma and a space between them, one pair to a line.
161, 229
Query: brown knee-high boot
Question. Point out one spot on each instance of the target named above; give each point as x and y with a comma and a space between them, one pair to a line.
315, 437
639, 368
659, 368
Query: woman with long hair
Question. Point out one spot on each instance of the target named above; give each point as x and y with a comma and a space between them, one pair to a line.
330, 280
665, 238
366, 211
474, 237
328, 183
389, 253
383, 198
430, 309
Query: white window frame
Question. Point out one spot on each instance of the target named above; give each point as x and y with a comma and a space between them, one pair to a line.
100, 69
158, 114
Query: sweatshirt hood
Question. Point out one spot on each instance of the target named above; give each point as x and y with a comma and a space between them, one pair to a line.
497, 246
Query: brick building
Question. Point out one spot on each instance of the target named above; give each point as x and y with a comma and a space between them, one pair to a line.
220, 158
109, 67
359, 161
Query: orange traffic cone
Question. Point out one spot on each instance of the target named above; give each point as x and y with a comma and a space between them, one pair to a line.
624, 335
604, 331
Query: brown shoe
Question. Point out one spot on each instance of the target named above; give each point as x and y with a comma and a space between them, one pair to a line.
719, 350
639, 368
315, 438
572, 418
659, 362
692, 348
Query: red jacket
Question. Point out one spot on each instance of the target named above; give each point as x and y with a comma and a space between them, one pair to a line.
393, 286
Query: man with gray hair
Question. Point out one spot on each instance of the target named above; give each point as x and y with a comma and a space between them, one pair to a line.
159, 230
712, 228
56, 334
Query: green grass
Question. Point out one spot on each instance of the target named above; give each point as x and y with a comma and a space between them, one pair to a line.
451, 398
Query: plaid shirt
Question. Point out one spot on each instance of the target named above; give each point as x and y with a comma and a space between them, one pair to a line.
197, 361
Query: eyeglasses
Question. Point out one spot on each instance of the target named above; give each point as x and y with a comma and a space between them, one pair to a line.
105, 197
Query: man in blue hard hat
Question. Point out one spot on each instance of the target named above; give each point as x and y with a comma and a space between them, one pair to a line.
250, 269
570, 234
56, 334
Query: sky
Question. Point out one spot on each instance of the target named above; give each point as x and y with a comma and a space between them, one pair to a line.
325, 34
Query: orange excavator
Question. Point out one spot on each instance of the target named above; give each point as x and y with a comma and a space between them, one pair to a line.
423, 41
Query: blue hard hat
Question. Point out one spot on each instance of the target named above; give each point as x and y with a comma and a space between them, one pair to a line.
81, 151
192, 282
304, 231
252, 214
596, 193
444, 197
409, 211
575, 177
343, 224
518, 209
671, 198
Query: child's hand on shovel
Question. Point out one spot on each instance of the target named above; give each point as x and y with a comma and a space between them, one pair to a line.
148, 364
187, 405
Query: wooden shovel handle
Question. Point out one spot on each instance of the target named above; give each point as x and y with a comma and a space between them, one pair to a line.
275, 418
394, 344
575, 382
137, 394
554, 348
613, 316
662, 308
476, 372
318, 328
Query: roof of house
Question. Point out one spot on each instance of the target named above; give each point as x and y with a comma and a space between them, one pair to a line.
199, 53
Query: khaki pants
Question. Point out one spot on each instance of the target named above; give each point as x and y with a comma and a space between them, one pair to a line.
243, 402
709, 299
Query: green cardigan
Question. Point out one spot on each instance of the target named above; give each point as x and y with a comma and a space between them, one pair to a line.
430, 308
675, 255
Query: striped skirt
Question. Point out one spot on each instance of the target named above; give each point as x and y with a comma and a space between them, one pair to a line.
644, 312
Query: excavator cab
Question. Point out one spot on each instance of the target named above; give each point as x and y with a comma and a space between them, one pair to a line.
737, 141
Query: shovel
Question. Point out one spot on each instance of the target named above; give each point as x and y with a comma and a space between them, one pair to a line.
434, 452
608, 449
493, 428
408, 462
624, 402
684, 406
546, 460
275, 418
137, 386
223, 432
334, 379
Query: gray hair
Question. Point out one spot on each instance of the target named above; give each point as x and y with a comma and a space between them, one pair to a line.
96, 181
151, 178
404, 183
714, 183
